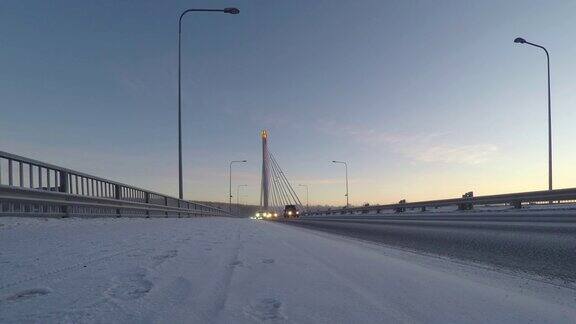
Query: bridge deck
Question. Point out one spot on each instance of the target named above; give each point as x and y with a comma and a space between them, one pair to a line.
237, 270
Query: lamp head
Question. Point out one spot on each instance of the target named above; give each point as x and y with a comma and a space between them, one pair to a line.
520, 40
232, 11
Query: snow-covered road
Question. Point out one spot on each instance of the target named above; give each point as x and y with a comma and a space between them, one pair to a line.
218, 270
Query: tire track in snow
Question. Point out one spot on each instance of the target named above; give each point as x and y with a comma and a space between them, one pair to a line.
218, 304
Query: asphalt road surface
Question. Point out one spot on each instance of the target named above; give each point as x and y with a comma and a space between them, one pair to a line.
539, 243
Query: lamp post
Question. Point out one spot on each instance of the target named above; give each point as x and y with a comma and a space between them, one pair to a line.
523, 41
346, 165
307, 201
230, 188
233, 11
238, 196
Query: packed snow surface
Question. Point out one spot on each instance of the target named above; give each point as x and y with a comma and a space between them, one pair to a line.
220, 270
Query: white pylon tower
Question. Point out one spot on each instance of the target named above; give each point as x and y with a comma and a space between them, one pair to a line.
265, 171
276, 189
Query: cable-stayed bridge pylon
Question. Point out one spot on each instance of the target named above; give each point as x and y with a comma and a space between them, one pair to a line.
276, 191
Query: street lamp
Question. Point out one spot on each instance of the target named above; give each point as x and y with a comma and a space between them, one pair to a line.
230, 188
346, 165
233, 11
238, 195
523, 41
307, 202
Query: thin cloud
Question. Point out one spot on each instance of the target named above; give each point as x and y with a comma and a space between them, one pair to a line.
327, 181
461, 154
318, 181
428, 148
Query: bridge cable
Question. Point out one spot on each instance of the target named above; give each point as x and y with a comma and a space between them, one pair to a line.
288, 186
274, 194
284, 199
283, 177
283, 191
273, 190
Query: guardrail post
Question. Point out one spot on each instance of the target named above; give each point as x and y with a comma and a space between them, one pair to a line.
21, 173
423, 209
166, 204
64, 187
466, 206
147, 200
10, 173
118, 196
400, 209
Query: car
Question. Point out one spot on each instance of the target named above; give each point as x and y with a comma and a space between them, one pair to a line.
290, 211
265, 215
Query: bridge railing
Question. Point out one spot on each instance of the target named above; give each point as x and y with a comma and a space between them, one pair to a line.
516, 200
29, 187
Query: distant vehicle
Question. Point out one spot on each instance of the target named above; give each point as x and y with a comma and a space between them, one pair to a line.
290, 211
265, 215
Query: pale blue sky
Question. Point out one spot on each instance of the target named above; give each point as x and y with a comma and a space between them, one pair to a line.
424, 99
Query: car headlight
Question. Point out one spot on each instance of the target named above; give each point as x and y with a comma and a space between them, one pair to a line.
290, 212
275, 214
257, 214
297, 212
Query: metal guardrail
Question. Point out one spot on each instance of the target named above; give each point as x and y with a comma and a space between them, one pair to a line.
29, 187
516, 200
